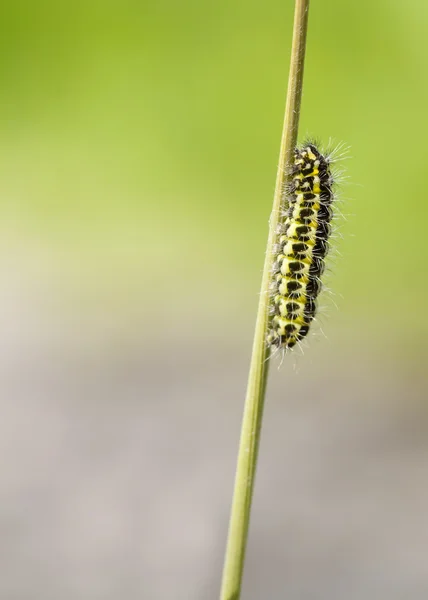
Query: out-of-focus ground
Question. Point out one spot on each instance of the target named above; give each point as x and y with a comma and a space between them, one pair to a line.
116, 467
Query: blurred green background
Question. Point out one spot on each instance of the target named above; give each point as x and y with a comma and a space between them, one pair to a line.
138, 151
139, 144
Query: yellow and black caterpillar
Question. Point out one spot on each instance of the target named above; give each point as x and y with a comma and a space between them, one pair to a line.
303, 245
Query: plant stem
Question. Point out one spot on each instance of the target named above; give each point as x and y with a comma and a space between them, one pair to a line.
254, 402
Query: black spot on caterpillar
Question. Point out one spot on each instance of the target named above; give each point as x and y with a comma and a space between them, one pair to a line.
302, 248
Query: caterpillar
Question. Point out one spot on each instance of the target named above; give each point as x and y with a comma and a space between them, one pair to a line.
303, 245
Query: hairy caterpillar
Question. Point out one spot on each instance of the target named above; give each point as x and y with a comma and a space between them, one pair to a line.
302, 248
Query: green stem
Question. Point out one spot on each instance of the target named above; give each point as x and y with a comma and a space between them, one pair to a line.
254, 402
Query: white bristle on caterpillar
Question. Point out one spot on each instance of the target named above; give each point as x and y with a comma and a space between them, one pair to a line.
303, 244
